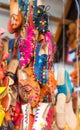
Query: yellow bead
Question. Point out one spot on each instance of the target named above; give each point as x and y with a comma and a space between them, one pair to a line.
41, 124
43, 23
38, 11
10, 50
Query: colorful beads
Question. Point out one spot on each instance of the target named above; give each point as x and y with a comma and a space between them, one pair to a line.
26, 111
40, 19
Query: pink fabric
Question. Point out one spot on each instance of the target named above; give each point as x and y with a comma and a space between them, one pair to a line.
51, 47
26, 46
49, 118
48, 38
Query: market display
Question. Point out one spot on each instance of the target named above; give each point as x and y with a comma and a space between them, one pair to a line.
27, 78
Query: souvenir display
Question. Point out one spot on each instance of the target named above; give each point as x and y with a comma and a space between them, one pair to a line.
31, 96
29, 75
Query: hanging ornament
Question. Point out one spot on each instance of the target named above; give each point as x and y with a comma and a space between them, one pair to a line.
40, 18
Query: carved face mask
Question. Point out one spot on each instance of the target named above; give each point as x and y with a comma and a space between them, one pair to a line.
30, 92
29, 89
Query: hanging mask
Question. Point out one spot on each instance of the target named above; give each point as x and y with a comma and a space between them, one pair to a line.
15, 15
30, 92
28, 88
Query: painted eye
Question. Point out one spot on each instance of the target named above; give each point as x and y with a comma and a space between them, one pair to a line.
38, 11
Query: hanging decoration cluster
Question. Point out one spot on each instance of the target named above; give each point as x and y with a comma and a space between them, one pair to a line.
26, 68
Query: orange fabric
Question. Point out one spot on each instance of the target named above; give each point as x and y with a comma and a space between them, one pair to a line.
74, 77
31, 121
5, 81
74, 73
5, 101
8, 117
